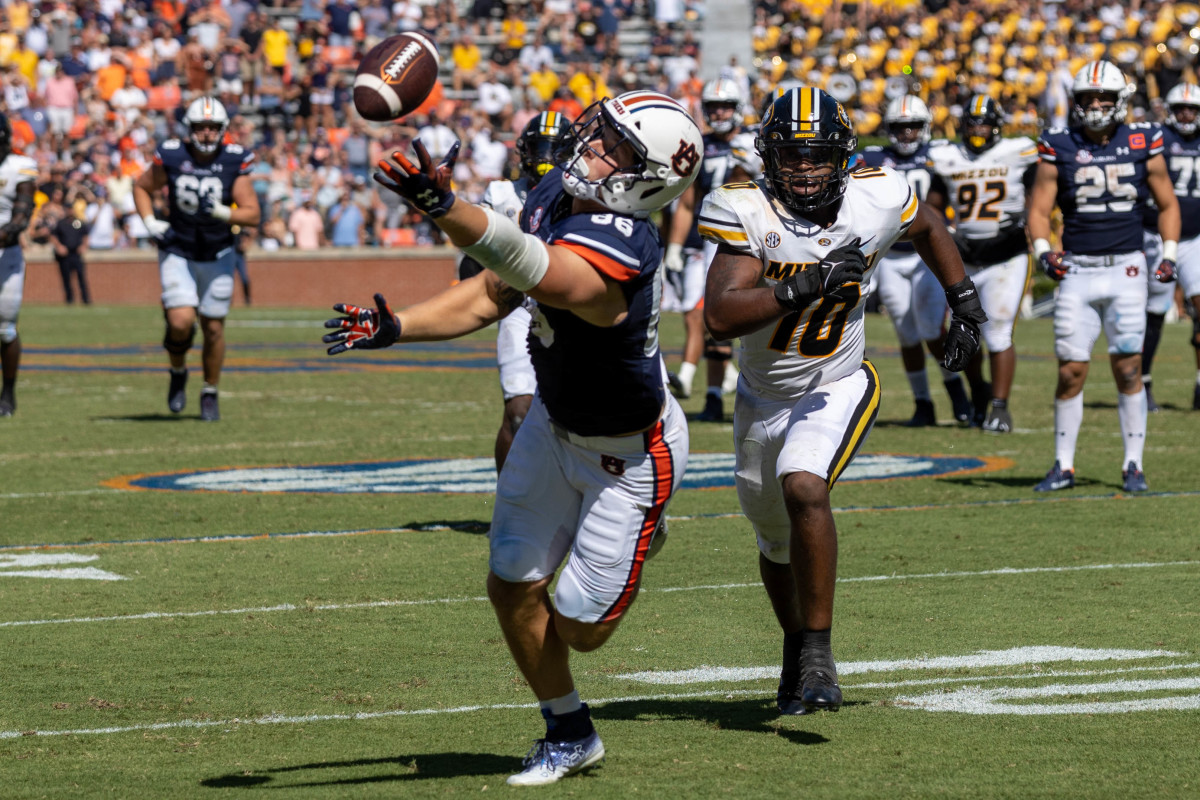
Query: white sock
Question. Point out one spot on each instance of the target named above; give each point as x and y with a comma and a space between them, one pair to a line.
919, 381
1068, 416
687, 371
730, 381
563, 705
209, 388
1131, 408
948, 375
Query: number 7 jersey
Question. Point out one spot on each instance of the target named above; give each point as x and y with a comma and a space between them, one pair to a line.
825, 341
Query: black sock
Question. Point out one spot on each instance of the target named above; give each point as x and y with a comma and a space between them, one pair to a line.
1154, 326
792, 645
10, 384
568, 727
818, 640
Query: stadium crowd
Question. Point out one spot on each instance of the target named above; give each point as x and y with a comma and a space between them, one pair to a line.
91, 87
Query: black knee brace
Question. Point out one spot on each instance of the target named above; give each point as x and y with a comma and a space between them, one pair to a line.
717, 351
176, 348
1196, 332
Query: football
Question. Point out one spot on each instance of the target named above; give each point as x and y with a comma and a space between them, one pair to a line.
395, 77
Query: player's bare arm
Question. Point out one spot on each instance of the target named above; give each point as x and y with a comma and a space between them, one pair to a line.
1040, 202
1163, 191
681, 224
935, 244
247, 211
150, 181
22, 213
735, 303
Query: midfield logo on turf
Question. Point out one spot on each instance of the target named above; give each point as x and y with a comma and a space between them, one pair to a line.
478, 475
33, 565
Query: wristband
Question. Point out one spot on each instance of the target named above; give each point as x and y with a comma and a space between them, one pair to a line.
1170, 250
1040, 246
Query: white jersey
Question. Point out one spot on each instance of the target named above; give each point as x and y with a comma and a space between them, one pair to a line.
14, 171
985, 189
824, 342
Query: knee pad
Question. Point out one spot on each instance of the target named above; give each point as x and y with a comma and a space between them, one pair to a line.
717, 351
177, 348
1196, 333
8, 332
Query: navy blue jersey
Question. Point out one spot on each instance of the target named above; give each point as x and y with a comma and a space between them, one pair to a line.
194, 234
1102, 189
915, 169
1183, 162
598, 381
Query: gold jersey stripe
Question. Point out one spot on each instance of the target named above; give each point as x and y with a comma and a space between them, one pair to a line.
723, 235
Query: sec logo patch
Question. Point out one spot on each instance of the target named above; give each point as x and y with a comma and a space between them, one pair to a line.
773, 240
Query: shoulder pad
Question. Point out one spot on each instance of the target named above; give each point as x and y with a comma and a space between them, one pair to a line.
171, 144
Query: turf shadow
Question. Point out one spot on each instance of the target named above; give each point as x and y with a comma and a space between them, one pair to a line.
1015, 482
472, 526
414, 767
149, 418
755, 716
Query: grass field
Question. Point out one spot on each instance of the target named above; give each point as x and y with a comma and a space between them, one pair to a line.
160, 637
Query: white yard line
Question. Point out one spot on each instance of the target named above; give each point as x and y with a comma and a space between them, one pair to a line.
281, 719
456, 600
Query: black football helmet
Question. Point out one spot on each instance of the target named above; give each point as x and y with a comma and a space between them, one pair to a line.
803, 131
981, 110
5, 136
538, 145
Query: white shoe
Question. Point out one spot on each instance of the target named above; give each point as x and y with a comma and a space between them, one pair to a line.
548, 762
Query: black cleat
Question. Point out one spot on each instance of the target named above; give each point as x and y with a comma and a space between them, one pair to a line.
963, 411
819, 690
209, 411
714, 409
1151, 405
981, 398
923, 415
177, 393
8, 406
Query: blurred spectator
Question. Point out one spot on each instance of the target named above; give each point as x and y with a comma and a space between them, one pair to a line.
307, 227
466, 56
274, 46
437, 137
545, 82
495, 98
346, 222
129, 101
340, 16
229, 84
488, 156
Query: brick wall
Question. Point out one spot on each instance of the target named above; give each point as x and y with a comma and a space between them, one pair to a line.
288, 278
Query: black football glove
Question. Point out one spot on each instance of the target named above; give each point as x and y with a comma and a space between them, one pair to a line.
966, 315
842, 265
426, 187
1166, 272
362, 328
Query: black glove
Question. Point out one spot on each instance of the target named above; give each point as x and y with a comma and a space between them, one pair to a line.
362, 328
424, 186
966, 315
845, 264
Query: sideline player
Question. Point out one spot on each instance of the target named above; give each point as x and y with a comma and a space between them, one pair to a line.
205, 177
909, 291
536, 148
790, 276
1100, 172
605, 445
984, 179
1181, 141
17, 176
727, 149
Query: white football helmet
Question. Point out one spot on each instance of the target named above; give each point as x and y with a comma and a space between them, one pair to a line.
206, 111
1106, 77
667, 146
907, 110
722, 92
1183, 94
